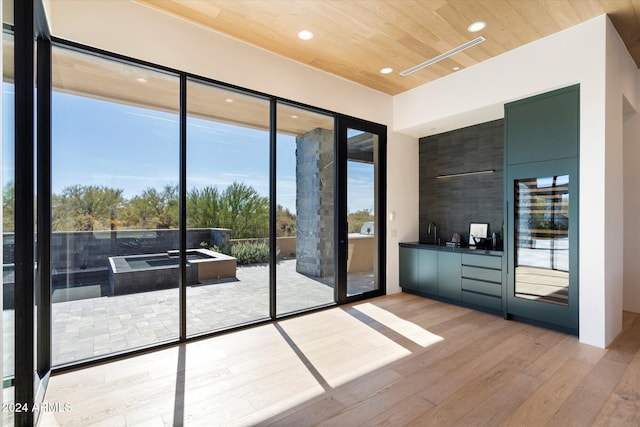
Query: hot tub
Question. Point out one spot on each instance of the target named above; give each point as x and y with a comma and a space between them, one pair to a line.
149, 272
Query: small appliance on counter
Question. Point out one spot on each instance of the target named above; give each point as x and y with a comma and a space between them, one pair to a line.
455, 241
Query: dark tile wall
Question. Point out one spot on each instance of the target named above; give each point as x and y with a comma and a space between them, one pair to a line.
452, 203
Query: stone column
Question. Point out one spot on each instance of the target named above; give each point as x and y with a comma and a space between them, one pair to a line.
314, 203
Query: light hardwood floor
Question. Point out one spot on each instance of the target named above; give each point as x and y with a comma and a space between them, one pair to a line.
394, 360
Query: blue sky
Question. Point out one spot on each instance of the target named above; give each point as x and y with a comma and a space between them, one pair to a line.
120, 146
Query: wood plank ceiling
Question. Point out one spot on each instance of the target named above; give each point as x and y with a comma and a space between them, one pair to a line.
355, 39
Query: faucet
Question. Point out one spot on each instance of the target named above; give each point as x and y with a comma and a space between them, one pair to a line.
435, 231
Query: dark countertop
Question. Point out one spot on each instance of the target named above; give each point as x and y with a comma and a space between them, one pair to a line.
433, 247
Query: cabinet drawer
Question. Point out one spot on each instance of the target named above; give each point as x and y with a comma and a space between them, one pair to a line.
486, 261
488, 288
485, 274
482, 300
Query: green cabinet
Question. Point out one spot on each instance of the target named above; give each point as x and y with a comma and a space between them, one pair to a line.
458, 277
409, 268
542, 208
419, 270
482, 281
428, 272
449, 278
543, 127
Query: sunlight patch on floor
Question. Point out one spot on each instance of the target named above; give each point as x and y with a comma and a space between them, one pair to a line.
340, 357
409, 330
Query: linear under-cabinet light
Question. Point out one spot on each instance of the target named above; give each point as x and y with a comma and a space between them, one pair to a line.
465, 174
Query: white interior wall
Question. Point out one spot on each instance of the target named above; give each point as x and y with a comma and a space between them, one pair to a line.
402, 201
576, 55
621, 81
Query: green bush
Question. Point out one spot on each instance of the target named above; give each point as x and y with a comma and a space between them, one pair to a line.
251, 253
245, 252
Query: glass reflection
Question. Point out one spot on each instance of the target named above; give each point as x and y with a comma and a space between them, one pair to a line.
542, 239
362, 149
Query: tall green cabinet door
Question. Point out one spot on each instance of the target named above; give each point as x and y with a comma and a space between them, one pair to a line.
408, 268
450, 275
428, 271
541, 216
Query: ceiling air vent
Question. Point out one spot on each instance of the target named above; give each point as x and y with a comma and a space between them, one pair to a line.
443, 55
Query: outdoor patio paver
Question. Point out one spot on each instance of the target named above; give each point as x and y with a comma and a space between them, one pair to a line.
88, 328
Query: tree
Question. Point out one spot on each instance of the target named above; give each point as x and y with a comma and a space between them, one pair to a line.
203, 208
357, 218
286, 225
244, 211
153, 209
85, 208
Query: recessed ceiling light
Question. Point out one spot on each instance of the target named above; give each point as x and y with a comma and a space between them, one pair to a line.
141, 80
386, 70
477, 26
456, 68
228, 100
305, 35
293, 116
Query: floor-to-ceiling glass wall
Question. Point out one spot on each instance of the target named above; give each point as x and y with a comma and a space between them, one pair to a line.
228, 145
115, 174
305, 183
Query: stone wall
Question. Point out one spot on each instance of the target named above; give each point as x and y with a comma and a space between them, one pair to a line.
315, 203
452, 203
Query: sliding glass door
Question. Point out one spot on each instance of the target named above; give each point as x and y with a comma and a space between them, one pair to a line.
361, 208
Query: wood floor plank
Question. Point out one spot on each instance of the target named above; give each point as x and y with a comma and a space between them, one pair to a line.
623, 406
584, 404
542, 404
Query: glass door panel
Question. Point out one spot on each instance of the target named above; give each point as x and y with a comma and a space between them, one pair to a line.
115, 171
542, 239
227, 208
361, 206
305, 177
361, 212
542, 226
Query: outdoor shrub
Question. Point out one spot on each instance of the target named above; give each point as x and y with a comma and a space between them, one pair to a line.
251, 253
